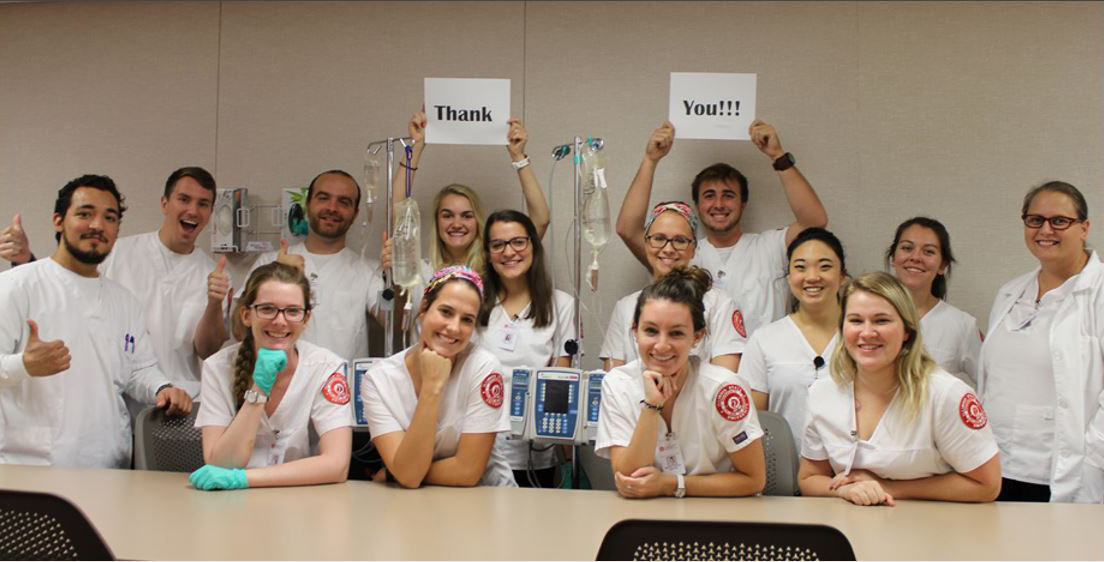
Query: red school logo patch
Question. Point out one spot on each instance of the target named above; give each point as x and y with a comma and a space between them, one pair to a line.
732, 402
336, 390
492, 390
971, 412
738, 323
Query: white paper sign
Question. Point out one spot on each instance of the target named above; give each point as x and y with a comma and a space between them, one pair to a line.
706, 105
467, 110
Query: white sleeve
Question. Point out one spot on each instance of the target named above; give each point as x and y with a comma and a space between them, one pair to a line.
735, 421
753, 365
962, 433
145, 375
217, 406
13, 330
484, 412
377, 408
331, 408
1094, 432
971, 351
374, 286
616, 422
565, 325
723, 337
812, 446
618, 334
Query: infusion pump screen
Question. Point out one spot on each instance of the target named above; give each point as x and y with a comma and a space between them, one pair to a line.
555, 396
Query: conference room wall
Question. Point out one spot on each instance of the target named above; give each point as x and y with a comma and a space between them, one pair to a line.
892, 109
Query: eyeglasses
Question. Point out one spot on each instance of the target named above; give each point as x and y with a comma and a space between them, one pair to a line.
658, 241
518, 243
1057, 222
292, 314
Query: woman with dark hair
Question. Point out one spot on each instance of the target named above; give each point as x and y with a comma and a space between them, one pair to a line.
717, 450
435, 408
524, 322
786, 356
1041, 372
921, 258
275, 409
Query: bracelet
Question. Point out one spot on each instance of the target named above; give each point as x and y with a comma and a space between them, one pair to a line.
652, 406
403, 164
520, 164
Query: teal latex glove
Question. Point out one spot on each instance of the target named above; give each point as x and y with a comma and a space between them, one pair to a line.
269, 363
211, 477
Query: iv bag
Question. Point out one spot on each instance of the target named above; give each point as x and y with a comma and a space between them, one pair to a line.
596, 215
406, 244
372, 167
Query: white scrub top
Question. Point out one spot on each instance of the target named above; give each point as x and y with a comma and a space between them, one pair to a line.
713, 416
316, 401
779, 361
345, 288
754, 274
517, 343
952, 338
75, 418
724, 331
951, 433
472, 402
173, 288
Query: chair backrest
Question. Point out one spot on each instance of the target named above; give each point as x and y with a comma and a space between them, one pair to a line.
39, 526
780, 454
637, 539
170, 443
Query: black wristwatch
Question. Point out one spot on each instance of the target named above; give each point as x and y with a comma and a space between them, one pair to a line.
784, 162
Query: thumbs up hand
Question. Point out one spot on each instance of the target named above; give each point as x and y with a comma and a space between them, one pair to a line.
218, 282
13, 242
44, 358
294, 260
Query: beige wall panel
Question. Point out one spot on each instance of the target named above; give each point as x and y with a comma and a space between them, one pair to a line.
123, 89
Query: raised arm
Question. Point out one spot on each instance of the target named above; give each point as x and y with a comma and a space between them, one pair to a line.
211, 332
804, 203
634, 209
14, 245
415, 128
536, 205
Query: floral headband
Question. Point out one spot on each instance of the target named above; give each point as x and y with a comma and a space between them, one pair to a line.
678, 207
446, 274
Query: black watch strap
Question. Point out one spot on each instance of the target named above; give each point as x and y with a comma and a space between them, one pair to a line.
784, 162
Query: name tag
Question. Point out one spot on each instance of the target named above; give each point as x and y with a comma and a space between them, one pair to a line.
669, 455
510, 333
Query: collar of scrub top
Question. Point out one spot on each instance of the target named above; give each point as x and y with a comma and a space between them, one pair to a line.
677, 206
446, 274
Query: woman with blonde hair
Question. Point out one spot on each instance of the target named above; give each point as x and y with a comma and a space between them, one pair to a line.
275, 409
889, 423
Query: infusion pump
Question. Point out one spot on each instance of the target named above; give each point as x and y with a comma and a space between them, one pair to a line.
555, 405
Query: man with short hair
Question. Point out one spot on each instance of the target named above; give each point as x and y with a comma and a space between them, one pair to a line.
61, 399
749, 266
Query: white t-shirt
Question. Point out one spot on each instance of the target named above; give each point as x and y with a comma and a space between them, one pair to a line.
75, 418
316, 401
754, 274
723, 331
713, 416
951, 433
472, 402
345, 288
952, 338
173, 288
779, 361
517, 343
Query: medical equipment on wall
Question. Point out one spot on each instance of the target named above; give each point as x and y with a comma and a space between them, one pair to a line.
554, 404
596, 213
231, 215
360, 371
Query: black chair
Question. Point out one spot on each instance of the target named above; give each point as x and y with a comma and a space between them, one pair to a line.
638, 539
39, 526
169, 443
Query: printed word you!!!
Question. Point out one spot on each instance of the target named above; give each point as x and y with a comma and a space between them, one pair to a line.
447, 113
722, 108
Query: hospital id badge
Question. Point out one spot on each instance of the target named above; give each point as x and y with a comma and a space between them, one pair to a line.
669, 455
510, 333
276, 451
719, 279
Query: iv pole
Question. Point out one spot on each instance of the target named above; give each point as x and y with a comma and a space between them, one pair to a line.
388, 293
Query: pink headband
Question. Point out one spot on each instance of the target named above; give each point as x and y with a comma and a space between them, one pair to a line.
451, 272
678, 207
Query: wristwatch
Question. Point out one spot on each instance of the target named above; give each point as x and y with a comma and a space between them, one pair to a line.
680, 491
520, 164
784, 162
254, 397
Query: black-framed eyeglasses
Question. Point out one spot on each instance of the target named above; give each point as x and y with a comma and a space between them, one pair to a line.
292, 314
518, 243
658, 241
1057, 222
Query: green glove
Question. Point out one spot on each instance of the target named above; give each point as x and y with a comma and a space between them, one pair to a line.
269, 363
211, 477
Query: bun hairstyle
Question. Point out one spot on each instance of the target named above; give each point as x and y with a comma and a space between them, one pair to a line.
247, 354
939, 284
683, 285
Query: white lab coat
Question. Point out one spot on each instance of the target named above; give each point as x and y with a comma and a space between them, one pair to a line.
754, 275
317, 401
75, 418
1077, 471
471, 402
